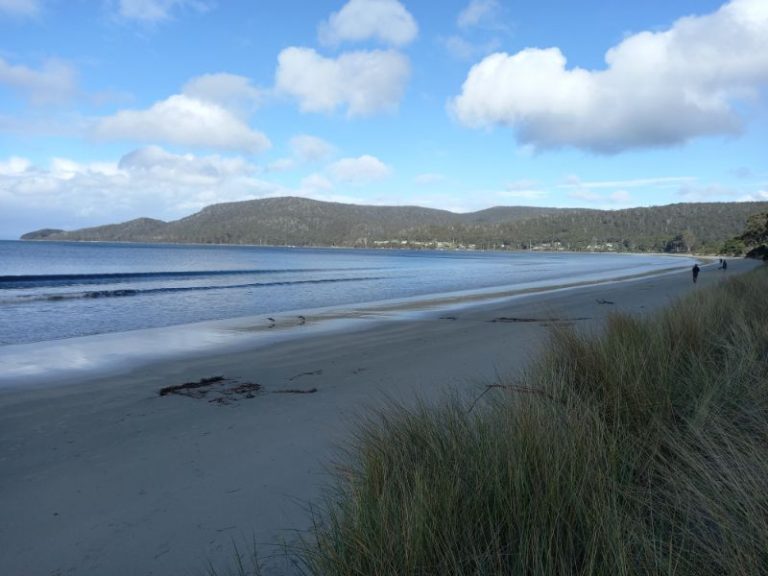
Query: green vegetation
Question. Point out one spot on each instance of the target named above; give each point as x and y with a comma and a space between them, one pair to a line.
701, 227
639, 450
753, 241
755, 237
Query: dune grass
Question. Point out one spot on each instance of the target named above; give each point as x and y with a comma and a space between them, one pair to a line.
639, 450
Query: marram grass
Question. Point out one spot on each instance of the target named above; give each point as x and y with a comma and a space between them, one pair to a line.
640, 450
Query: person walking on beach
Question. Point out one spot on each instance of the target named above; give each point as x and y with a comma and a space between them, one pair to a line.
695, 272
725, 264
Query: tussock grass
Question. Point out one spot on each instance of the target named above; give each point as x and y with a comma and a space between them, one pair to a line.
641, 450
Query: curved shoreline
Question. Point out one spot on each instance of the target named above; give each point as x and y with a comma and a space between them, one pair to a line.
99, 355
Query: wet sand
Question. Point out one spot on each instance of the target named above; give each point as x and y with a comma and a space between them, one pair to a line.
103, 475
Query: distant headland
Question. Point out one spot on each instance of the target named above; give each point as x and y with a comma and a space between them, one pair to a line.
292, 221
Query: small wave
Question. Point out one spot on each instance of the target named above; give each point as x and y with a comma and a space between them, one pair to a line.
139, 292
43, 280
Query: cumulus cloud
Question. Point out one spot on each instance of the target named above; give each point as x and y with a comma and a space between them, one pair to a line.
151, 181
230, 91
359, 170
20, 8
310, 148
148, 181
14, 165
152, 11
657, 89
184, 168
385, 20
55, 81
207, 115
365, 82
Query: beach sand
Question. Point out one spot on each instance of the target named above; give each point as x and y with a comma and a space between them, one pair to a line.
104, 476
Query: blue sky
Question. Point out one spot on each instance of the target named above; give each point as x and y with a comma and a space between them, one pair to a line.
115, 109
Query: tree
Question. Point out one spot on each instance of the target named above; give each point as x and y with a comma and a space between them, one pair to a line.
755, 236
689, 239
733, 247
756, 232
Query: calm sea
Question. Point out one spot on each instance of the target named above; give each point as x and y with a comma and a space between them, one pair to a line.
52, 290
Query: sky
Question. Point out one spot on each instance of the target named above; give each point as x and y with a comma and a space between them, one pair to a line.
116, 109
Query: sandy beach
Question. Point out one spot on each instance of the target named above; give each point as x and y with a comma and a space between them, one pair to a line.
102, 475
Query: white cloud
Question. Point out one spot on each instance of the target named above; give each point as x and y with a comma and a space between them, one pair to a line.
364, 82
151, 11
184, 167
609, 193
620, 197
758, 196
145, 182
236, 93
22, 8
477, 12
310, 148
385, 20
14, 165
602, 199
706, 193
153, 182
183, 120
65, 169
315, 183
54, 82
658, 182
429, 178
658, 88
359, 170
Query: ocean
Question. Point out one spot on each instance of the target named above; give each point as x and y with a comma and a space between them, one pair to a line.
59, 290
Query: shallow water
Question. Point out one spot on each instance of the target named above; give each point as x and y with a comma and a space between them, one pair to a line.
55, 290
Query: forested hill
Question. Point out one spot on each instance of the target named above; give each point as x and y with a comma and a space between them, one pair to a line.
303, 222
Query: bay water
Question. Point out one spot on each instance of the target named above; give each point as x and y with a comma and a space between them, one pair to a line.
59, 290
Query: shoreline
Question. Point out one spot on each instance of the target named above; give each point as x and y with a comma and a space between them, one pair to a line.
110, 354
105, 476
374, 248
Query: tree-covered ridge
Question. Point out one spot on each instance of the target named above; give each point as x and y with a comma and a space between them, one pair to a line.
303, 222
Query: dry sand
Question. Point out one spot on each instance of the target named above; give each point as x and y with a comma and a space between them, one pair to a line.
105, 477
